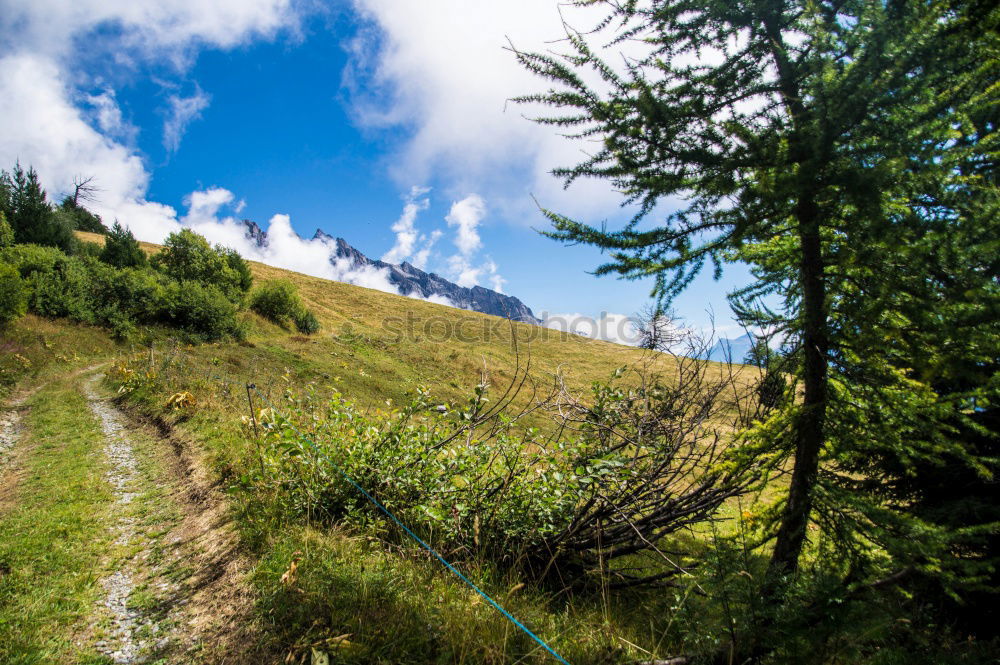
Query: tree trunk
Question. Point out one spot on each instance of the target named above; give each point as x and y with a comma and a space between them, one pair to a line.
810, 425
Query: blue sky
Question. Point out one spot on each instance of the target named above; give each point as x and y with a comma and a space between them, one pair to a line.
330, 114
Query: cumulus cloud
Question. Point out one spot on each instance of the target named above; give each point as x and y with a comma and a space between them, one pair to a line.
440, 71
405, 227
108, 116
465, 215
51, 123
182, 111
43, 128
420, 258
143, 29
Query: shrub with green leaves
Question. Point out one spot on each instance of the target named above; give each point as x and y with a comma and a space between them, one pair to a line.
187, 256
306, 322
276, 301
631, 466
201, 309
88, 249
28, 259
13, 295
66, 290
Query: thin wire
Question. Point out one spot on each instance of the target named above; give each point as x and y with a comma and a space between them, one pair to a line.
417, 538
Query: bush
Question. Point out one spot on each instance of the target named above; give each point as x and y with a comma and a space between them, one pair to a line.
6, 233
276, 301
188, 256
121, 249
479, 482
306, 322
28, 259
66, 290
13, 295
239, 266
201, 309
89, 249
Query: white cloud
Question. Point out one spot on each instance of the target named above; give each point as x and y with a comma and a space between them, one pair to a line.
108, 116
43, 129
182, 111
419, 259
441, 71
466, 215
143, 29
462, 271
405, 227
50, 124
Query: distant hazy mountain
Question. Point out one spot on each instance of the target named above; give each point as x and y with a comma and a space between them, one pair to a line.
413, 281
733, 350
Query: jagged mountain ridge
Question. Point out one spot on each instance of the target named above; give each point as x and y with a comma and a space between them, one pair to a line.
413, 281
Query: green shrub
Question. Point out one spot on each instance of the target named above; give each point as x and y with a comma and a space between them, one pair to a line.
139, 293
239, 266
306, 322
188, 256
66, 290
13, 295
28, 259
121, 249
201, 309
6, 233
277, 301
88, 249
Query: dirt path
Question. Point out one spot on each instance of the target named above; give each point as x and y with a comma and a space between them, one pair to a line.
131, 629
10, 425
176, 591
11, 415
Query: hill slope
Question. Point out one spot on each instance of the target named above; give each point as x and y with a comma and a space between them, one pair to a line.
382, 346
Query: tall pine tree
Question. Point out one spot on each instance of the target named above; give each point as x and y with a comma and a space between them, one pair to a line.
846, 152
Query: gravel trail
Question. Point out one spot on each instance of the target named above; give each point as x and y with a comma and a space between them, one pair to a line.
126, 644
10, 426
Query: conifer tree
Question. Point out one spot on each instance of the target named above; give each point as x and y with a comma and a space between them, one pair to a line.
121, 249
846, 152
29, 213
6, 233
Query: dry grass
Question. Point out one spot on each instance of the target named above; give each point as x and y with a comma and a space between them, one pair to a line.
377, 346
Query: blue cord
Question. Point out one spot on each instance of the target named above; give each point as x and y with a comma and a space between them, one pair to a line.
415, 537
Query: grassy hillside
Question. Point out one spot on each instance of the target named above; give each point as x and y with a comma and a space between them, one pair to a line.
380, 346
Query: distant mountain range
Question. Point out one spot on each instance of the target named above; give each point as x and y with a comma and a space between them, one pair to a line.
734, 350
414, 282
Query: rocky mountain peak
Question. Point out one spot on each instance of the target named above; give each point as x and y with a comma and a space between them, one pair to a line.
414, 282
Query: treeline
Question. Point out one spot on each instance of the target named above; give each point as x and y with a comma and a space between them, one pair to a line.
190, 285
